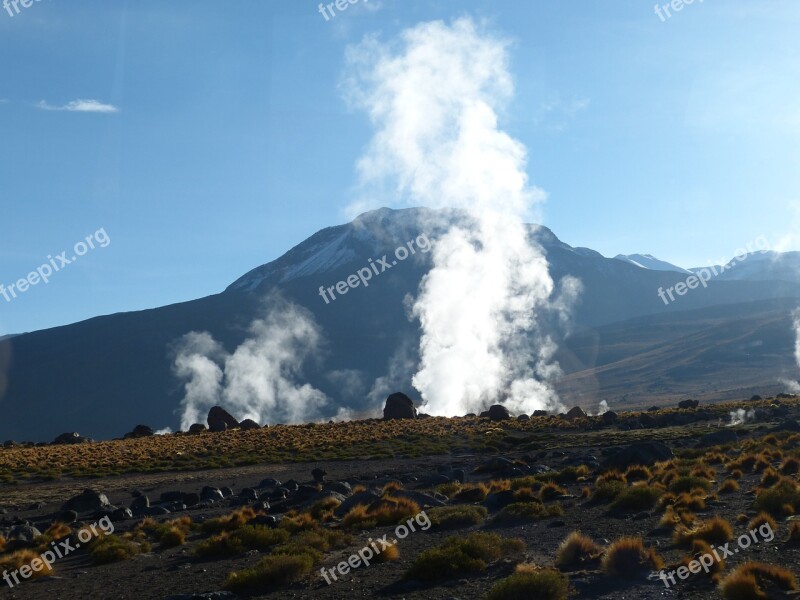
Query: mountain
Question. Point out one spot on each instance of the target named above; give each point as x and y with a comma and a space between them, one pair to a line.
760, 266
104, 375
648, 261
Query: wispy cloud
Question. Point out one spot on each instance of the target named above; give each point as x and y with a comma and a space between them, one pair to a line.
93, 106
556, 114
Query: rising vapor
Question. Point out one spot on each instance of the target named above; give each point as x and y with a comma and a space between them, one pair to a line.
793, 385
433, 96
258, 380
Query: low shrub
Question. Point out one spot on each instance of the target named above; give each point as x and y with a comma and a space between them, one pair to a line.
20, 558
687, 483
576, 551
527, 511
778, 499
271, 571
231, 522
457, 516
628, 558
110, 548
639, 497
531, 582
249, 537
729, 486
462, 556
754, 580
714, 531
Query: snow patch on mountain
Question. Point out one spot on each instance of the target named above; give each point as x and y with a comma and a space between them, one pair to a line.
648, 261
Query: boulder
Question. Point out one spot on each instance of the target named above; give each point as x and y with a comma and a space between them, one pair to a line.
498, 500
249, 424
87, 501
140, 431
140, 502
248, 494
424, 500
197, 428
576, 412
399, 406
191, 498
67, 516
540, 413
365, 498
339, 487
755, 398
523, 417
498, 412
220, 419
211, 493
609, 417
640, 453
319, 475
71, 438
121, 514
686, 404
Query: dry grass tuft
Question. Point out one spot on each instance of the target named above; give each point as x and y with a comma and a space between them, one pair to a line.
628, 558
576, 551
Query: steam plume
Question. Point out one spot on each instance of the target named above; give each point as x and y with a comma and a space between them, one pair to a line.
256, 381
433, 97
793, 385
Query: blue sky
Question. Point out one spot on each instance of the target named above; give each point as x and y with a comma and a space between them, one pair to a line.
218, 137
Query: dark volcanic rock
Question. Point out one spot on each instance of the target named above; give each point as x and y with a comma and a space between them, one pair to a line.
498, 412
211, 493
365, 498
399, 406
71, 438
685, 404
197, 428
609, 417
220, 419
249, 424
87, 501
576, 412
498, 500
140, 502
121, 514
641, 453
67, 516
339, 487
140, 431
